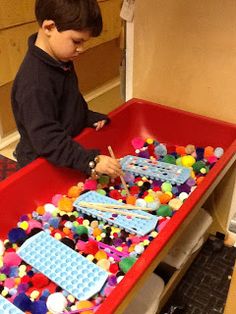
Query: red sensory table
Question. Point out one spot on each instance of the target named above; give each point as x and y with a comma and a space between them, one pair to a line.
36, 184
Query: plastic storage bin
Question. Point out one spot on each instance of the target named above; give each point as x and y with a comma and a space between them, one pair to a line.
38, 182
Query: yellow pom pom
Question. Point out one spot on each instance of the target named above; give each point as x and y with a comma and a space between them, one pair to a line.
74, 191
149, 141
24, 225
65, 204
188, 160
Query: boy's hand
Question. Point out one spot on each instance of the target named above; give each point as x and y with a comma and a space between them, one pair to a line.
109, 166
100, 124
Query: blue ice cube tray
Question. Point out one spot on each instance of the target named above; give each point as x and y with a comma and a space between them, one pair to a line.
131, 224
6, 307
64, 266
155, 169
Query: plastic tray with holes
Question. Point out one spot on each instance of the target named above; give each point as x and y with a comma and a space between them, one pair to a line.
64, 266
155, 169
133, 225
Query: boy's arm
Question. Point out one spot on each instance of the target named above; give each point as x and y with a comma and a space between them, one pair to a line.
38, 113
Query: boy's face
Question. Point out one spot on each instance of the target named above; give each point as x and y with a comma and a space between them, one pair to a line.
66, 45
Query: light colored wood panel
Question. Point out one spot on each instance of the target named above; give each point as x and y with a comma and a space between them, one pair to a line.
185, 55
13, 45
111, 23
13, 12
6, 117
13, 41
103, 59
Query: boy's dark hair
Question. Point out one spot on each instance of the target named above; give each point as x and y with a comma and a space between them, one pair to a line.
80, 15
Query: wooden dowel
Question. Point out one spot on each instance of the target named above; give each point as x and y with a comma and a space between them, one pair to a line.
114, 211
124, 206
121, 177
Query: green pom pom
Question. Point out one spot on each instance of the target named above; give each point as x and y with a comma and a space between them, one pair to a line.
166, 187
198, 165
81, 230
126, 263
169, 159
164, 211
103, 179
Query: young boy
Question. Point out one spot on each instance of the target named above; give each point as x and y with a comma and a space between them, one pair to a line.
48, 107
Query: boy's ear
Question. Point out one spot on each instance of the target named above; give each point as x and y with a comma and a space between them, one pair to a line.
48, 26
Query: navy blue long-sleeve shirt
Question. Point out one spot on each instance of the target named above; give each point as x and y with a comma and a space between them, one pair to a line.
49, 111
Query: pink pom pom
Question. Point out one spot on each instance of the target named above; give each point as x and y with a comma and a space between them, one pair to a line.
80, 245
55, 199
137, 142
212, 159
11, 259
9, 283
34, 224
90, 184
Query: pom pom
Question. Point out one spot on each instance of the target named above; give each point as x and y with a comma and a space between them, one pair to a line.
2, 248
164, 211
90, 184
126, 263
39, 281
74, 191
56, 199
22, 302
160, 150
11, 259
56, 303
39, 307
91, 247
16, 235
137, 142
65, 204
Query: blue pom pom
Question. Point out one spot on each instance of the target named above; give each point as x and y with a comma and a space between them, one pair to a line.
22, 302
54, 222
16, 234
39, 307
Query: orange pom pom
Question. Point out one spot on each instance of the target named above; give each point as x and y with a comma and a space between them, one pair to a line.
40, 210
130, 199
208, 152
199, 180
74, 191
65, 204
164, 198
97, 231
66, 231
101, 255
180, 150
84, 304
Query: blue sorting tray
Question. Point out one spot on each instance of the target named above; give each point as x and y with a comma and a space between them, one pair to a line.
131, 224
154, 169
64, 266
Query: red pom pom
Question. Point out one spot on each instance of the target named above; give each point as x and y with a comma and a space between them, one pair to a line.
114, 268
134, 190
39, 281
80, 220
25, 279
115, 194
91, 247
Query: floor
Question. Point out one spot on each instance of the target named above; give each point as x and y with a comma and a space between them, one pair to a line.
104, 103
204, 288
